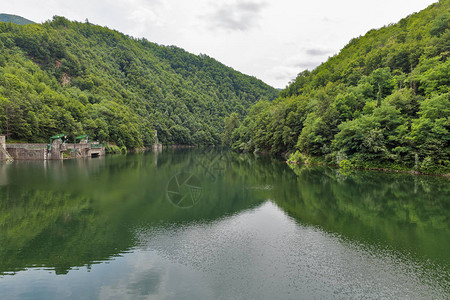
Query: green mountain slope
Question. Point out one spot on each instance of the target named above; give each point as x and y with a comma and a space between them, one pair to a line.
383, 101
75, 78
14, 19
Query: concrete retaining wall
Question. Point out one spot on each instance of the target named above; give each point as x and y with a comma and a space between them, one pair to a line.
3, 154
39, 151
27, 146
26, 154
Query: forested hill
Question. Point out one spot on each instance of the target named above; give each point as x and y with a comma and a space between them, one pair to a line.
76, 78
383, 101
14, 19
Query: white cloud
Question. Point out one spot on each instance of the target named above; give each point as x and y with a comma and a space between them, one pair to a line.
237, 15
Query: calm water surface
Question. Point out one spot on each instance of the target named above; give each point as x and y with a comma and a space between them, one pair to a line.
192, 224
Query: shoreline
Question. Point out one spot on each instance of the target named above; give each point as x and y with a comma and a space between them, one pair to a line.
386, 170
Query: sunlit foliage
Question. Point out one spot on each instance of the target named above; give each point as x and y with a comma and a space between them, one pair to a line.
383, 101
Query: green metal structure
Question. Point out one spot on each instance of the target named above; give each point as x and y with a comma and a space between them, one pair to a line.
81, 137
55, 137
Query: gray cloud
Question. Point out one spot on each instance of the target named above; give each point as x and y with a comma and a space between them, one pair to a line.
317, 52
238, 16
327, 20
310, 65
301, 62
286, 76
282, 74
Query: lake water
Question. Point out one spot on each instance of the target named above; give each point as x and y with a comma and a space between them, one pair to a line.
210, 224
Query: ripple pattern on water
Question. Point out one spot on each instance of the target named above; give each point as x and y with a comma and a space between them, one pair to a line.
262, 253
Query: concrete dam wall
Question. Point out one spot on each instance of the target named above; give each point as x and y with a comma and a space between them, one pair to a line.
57, 150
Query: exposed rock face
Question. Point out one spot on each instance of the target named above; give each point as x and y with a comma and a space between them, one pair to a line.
65, 79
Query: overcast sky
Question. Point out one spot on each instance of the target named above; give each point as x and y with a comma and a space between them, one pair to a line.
273, 40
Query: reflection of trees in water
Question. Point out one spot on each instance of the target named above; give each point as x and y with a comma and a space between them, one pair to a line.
53, 215
397, 210
31, 220
78, 213
81, 212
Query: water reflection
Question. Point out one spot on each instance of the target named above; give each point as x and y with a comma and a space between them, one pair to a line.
258, 230
261, 254
80, 212
409, 213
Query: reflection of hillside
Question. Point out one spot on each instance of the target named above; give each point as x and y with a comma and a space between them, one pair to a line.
61, 215
81, 212
396, 210
25, 215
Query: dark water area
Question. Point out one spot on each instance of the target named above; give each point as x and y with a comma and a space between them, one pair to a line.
212, 224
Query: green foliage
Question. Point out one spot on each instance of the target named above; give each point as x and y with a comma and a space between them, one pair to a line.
440, 25
112, 149
79, 78
427, 165
382, 101
231, 123
14, 19
296, 158
345, 164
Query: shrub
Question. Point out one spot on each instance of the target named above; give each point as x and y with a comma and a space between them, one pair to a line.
346, 164
296, 158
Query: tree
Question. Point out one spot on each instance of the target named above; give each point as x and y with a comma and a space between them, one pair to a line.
231, 123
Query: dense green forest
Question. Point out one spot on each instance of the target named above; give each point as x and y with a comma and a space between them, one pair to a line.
382, 102
79, 78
